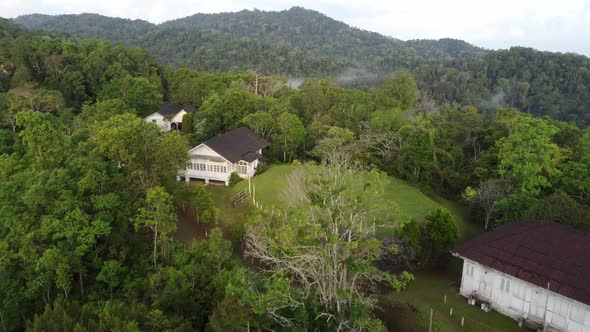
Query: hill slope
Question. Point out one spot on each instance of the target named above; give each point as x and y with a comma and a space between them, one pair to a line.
411, 201
302, 43
318, 43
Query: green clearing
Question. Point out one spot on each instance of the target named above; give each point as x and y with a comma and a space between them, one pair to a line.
412, 202
269, 187
231, 219
428, 291
429, 288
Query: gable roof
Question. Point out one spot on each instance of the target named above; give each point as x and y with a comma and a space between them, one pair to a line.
190, 109
538, 252
169, 109
238, 144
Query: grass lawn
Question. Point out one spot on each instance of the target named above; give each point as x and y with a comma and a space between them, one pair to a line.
428, 291
411, 200
230, 219
269, 185
424, 293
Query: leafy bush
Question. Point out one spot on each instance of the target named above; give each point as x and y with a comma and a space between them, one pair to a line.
439, 234
561, 208
207, 216
410, 230
262, 167
397, 256
234, 178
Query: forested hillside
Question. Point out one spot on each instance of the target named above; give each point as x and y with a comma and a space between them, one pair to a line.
294, 31
302, 43
89, 202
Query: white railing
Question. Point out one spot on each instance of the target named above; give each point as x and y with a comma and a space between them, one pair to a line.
206, 174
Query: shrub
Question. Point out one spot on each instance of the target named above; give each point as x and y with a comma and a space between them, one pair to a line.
410, 230
262, 167
439, 233
207, 216
561, 208
397, 256
234, 178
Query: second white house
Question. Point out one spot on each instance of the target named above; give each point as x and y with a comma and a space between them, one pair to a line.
169, 116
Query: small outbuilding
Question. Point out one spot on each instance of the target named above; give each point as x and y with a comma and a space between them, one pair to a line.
537, 272
169, 116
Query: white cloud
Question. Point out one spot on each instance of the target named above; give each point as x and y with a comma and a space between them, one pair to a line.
545, 24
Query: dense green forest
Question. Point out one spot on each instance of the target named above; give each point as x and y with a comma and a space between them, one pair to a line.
302, 43
89, 201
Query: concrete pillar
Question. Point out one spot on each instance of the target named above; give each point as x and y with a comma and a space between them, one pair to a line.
187, 178
178, 178
206, 181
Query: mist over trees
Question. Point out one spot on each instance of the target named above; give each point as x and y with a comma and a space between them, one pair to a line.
304, 43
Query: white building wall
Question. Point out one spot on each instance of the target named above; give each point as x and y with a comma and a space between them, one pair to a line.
205, 164
158, 119
178, 117
517, 298
166, 125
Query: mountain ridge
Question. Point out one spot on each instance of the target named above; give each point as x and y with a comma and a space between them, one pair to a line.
313, 36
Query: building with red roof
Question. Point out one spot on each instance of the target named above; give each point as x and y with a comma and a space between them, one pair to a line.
536, 271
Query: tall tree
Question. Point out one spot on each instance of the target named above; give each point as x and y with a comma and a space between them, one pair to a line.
528, 156
289, 136
159, 217
326, 243
487, 194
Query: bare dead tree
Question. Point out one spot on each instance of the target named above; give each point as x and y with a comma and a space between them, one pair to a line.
487, 194
294, 194
326, 243
427, 105
385, 144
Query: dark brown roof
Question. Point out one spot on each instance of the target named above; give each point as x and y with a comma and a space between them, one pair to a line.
169, 109
238, 144
190, 109
539, 252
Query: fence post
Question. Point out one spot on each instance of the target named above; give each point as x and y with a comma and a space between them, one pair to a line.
430, 324
462, 321
445, 298
451, 312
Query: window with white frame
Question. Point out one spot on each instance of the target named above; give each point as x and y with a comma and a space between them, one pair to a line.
577, 314
505, 285
242, 167
519, 290
469, 269
557, 305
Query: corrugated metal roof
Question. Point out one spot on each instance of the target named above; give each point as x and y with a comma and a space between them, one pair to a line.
539, 252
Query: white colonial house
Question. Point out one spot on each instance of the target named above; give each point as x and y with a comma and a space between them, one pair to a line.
239, 150
169, 116
536, 272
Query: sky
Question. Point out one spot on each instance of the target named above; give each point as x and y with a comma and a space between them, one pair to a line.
551, 25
